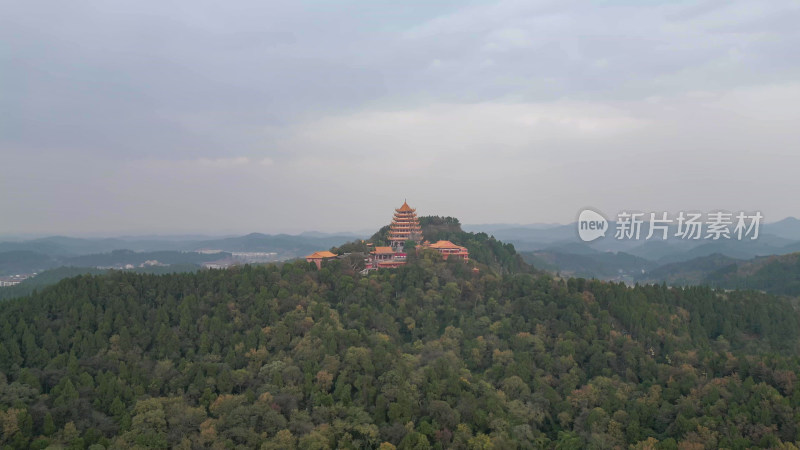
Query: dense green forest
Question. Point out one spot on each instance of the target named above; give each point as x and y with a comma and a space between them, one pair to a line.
431, 355
692, 272
53, 276
775, 274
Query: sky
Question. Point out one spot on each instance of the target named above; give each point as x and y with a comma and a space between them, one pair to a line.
199, 116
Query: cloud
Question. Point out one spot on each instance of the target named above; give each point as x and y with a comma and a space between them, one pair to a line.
222, 163
281, 113
234, 163
441, 132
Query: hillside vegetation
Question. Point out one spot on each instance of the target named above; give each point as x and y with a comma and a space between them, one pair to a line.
431, 355
53, 276
775, 274
692, 272
603, 265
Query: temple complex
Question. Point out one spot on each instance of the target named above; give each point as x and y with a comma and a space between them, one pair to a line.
404, 227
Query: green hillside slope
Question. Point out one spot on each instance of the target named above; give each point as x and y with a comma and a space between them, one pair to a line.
431, 355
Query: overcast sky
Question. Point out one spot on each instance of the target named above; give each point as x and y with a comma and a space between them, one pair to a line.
218, 117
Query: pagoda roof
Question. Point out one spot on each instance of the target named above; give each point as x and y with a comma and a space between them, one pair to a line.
383, 250
405, 207
321, 255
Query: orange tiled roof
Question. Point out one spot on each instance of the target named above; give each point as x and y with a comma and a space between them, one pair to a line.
320, 255
405, 207
390, 264
383, 250
445, 244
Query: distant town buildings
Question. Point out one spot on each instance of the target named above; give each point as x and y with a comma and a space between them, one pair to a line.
254, 257
13, 280
237, 258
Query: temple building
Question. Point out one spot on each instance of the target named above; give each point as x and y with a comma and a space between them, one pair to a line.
318, 257
404, 227
386, 258
449, 250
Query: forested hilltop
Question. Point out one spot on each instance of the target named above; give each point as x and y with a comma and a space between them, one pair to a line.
499, 256
430, 355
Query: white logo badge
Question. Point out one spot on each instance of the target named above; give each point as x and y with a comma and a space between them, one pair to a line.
591, 225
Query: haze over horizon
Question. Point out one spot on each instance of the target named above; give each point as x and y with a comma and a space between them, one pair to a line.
198, 117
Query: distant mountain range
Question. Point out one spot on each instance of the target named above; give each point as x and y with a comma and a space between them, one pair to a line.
693, 271
603, 265
777, 274
45, 253
254, 242
553, 247
557, 248
57, 257
774, 238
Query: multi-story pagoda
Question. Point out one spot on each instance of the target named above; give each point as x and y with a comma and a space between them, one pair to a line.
404, 227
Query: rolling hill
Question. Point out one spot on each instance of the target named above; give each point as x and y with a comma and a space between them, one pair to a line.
430, 355
774, 274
